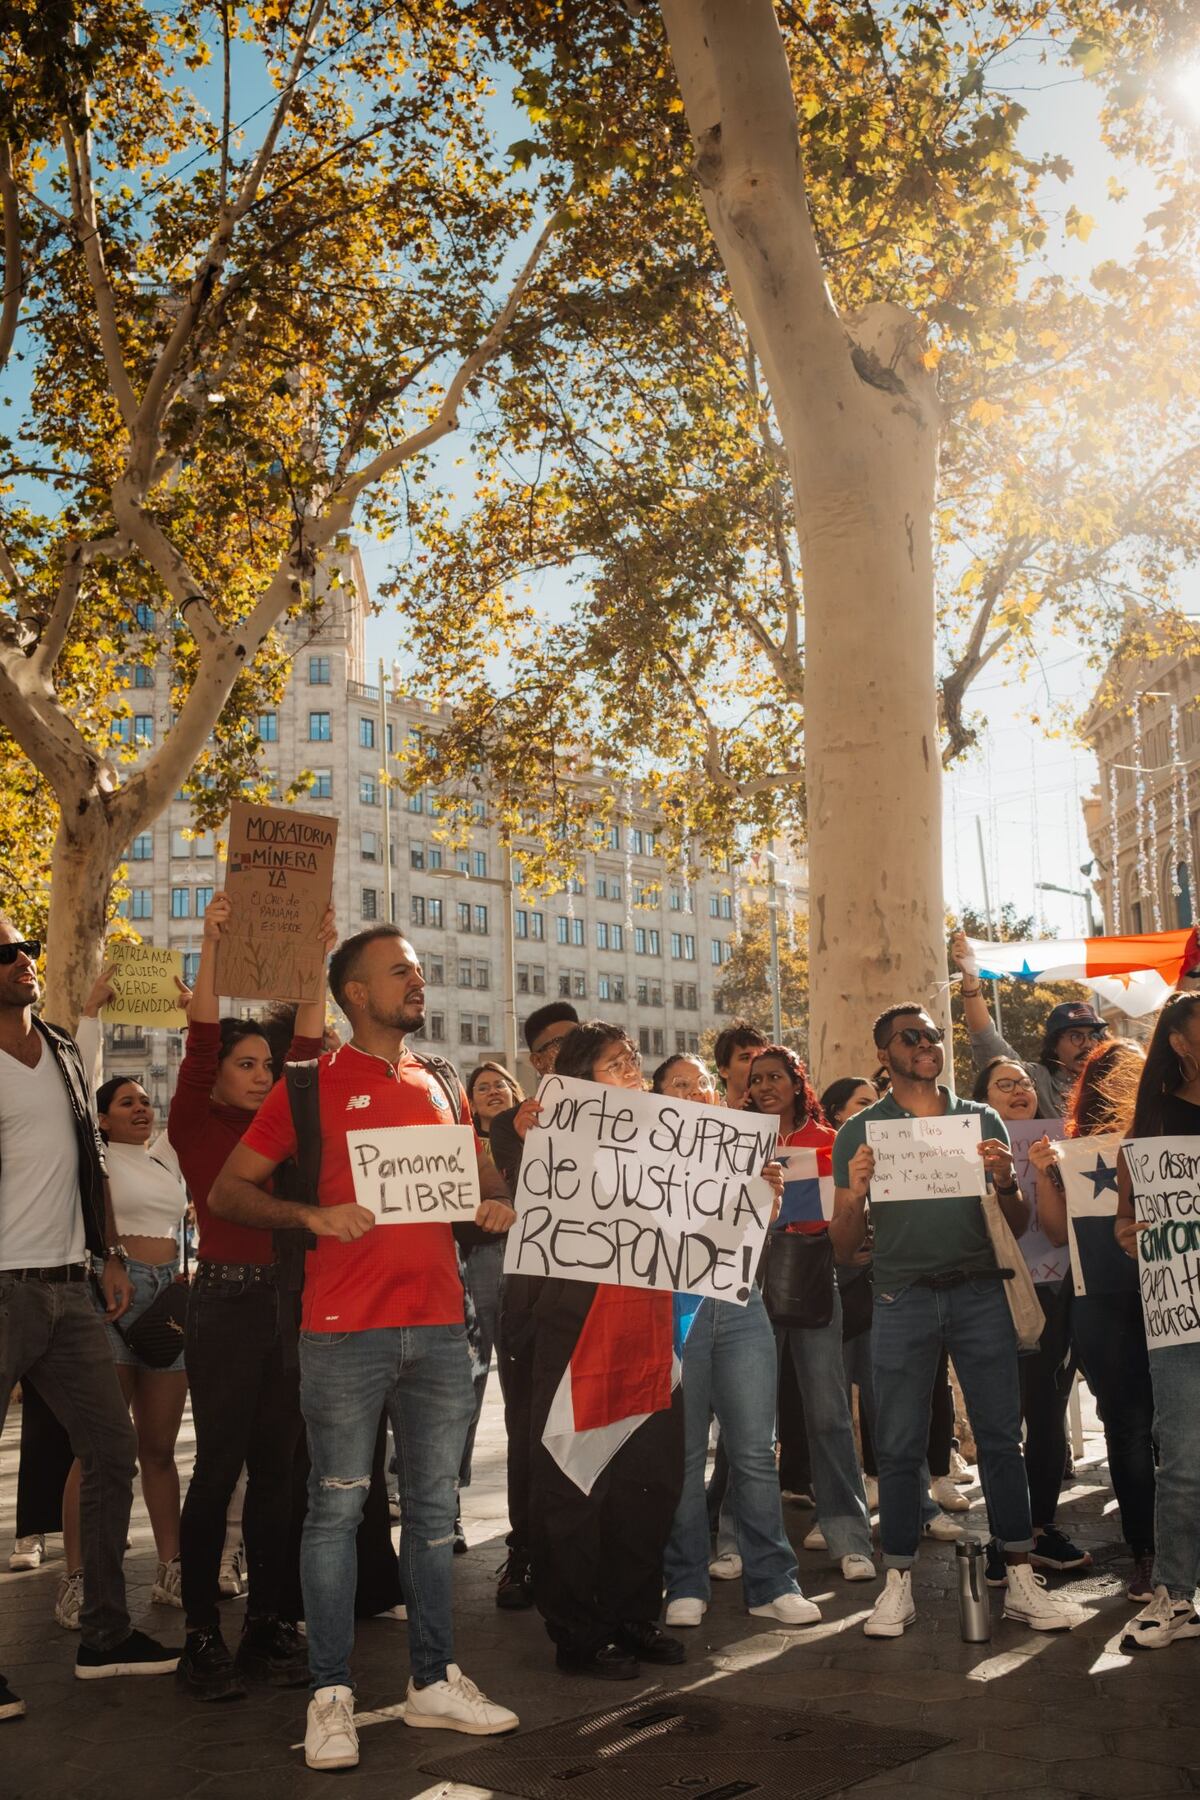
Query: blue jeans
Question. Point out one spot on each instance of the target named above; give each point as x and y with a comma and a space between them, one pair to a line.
857, 1360
911, 1327
422, 1375
484, 1267
149, 1280
1176, 1377
729, 1368
837, 1479
1111, 1341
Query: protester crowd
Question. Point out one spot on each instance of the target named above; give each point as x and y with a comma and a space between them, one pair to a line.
309, 1341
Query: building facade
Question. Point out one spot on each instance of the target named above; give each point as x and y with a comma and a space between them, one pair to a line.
630, 942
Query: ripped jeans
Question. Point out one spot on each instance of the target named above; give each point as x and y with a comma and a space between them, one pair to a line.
422, 1374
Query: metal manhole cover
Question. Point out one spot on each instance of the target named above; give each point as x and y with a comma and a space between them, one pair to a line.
669, 1746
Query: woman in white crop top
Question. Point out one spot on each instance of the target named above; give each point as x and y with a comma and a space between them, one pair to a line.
149, 1198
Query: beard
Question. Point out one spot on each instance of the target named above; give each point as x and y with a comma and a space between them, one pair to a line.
408, 1016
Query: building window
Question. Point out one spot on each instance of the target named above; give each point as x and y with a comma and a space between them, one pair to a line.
483, 975
521, 922
203, 897
369, 846
462, 862
481, 919
143, 676
268, 728
437, 1027
434, 854
464, 915
181, 844
639, 940
1183, 899
416, 910
144, 615
466, 1029
689, 947
644, 1039
537, 925
466, 974
141, 903
479, 862
416, 856
416, 802
522, 978
579, 987
677, 945
436, 913
564, 987
203, 845
370, 903
655, 938
319, 731
602, 887
366, 734
368, 795
181, 903
142, 847
435, 971
561, 925
483, 1029
614, 837
322, 787
610, 987
601, 936
318, 671
676, 899
143, 727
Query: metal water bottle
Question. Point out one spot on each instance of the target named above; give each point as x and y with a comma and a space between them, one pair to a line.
974, 1602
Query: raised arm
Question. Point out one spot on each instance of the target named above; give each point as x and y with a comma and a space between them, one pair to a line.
986, 1041
205, 1008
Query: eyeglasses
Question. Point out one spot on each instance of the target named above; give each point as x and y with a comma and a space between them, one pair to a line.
10, 952
1012, 1084
628, 1063
912, 1035
551, 1043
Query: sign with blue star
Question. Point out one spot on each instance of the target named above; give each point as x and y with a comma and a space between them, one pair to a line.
1089, 1171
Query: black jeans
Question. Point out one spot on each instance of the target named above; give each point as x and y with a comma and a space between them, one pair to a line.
941, 1419
52, 1330
246, 1409
1046, 1378
795, 1462
515, 1355
1111, 1341
46, 1458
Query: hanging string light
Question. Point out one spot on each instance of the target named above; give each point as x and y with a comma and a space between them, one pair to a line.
1189, 857
789, 908
1139, 798
628, 856
1114, 854
1152, 858
1176, 805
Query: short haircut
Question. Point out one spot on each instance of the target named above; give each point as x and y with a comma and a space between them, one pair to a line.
235, 1032
108, 1090
557, 1013
880, 1032
343, 964
579, 1053
741, 1035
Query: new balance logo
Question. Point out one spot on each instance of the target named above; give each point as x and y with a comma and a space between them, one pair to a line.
356, 1101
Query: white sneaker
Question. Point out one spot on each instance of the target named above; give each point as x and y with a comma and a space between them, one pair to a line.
858, 1568
456, 1704
399, 1614
166, 1591
28, 1552
1027, 1601
685, 1612
871, 1490
1160, 1622
788, 1609
942, 1528
229, 1581
330, 1740
894, 1611
816, 1539
960, 1471
947, 1495
69, 1601
727, 1567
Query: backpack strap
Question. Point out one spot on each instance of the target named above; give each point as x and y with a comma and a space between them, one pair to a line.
447, 1078
304, 1099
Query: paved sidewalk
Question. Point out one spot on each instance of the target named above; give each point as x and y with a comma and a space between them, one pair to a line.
1034, 1715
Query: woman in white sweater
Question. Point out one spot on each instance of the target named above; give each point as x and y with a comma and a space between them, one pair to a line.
149, 1198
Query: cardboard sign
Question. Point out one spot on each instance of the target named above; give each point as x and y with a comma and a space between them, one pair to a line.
416, 1174
279, 881
1165, 1174
926, 1159
1044, 1260
143, 984
641, 1190
1089, 1172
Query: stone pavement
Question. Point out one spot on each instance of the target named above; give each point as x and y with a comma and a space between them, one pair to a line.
1033, 1715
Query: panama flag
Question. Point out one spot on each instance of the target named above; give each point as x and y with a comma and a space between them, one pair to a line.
1089, 1171
1135, 973
623, 1368
807, 1183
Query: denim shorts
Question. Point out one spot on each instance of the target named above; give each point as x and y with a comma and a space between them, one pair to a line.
149, 1280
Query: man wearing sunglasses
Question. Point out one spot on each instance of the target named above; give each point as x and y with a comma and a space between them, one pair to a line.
55, 1215
937, 1287
1070, 1034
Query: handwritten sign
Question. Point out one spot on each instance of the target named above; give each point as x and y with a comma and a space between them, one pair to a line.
926, 1159
143, 984
1165, 1175
1088, 1166
279, 881
640, 1190
416, 1174
1044, 1260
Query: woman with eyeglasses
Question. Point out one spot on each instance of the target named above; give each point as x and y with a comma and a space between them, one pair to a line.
1106, 1322
1048, 1373
1168, 1105
778, 1084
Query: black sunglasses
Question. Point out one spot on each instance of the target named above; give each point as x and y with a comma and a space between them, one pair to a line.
912, 1035
10, 952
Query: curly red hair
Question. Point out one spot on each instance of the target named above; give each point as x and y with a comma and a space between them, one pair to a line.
807, 1105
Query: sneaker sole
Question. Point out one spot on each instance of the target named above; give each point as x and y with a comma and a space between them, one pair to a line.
102, 1671
1163, 1643
683, 1624
1059, 1568
890, 1631
19, 1564
434, 1722
159, 1598
1035, 1624
764, 1612
331, 1762
12, 1709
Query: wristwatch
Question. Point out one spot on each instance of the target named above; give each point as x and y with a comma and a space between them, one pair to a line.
1012, 1187
116, 1250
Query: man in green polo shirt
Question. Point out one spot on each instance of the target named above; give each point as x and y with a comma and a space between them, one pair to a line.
937, 1287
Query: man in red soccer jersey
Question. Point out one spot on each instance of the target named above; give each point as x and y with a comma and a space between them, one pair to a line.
383, 1323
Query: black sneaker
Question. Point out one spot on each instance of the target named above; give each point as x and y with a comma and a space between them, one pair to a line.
460, 1537
11, 1705
206, 1667
611, 1662
997, 1569
1053, 1549
514, 1593
650, 1643
135, 1655
273, 1651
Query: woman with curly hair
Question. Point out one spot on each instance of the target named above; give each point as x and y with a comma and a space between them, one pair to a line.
1106, 1322
778, 1084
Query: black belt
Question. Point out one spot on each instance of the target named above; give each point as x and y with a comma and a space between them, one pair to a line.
264, 1274
953, 1278
55, 1272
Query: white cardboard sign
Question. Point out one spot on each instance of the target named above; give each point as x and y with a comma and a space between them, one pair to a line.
1165, 1176
416, 1174
926, 1159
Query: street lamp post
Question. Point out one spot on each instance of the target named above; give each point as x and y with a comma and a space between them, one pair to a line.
1084, 894
773, 929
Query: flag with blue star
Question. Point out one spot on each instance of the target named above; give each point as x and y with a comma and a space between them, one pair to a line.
1089, 1172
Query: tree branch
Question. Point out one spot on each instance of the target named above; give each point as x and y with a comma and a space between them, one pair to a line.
14, 272
58, 622
83, 210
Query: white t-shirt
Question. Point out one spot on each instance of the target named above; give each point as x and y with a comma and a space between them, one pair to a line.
41, 1219
148, 1195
